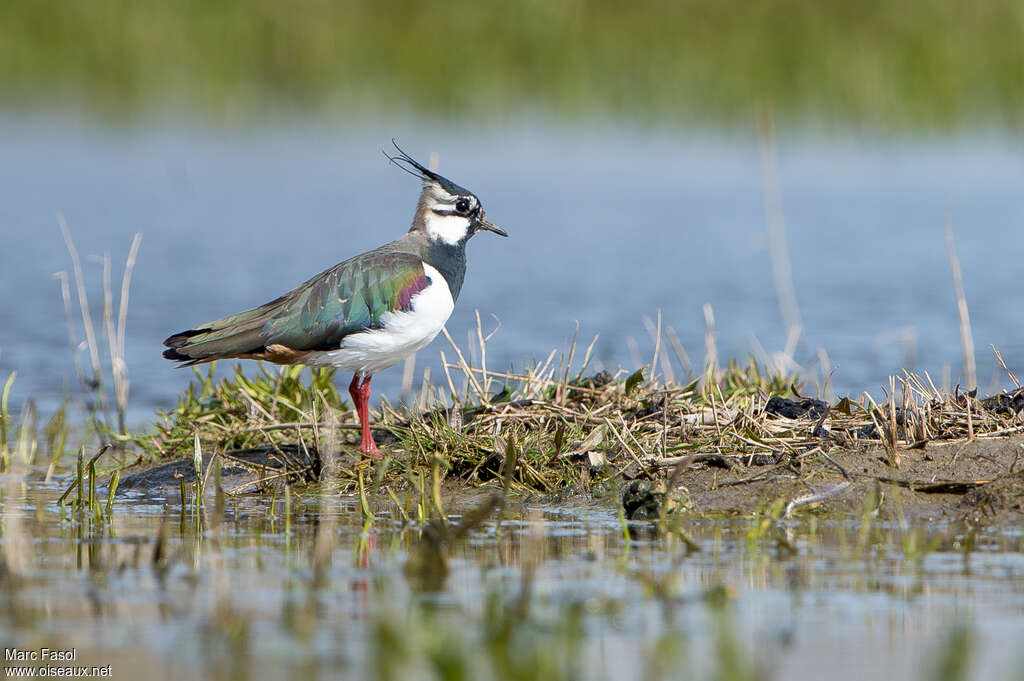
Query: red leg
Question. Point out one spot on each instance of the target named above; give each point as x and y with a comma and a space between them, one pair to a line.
360, 393
353, 390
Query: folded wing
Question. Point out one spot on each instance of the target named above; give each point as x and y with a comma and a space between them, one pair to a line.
348, 298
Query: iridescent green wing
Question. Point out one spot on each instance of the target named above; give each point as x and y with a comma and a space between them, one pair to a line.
348, 298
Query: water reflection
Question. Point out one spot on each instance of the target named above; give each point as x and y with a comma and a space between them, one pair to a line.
273, 590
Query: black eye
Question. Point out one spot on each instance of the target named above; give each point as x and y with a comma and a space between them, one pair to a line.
462, 205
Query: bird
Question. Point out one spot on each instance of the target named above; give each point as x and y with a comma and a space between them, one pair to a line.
367, 313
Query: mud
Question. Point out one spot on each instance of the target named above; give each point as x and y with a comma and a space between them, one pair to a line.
247, 470
981, 480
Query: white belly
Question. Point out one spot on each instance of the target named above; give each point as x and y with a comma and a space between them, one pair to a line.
403, 333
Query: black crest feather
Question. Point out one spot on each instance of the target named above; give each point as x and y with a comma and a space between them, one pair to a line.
410, 165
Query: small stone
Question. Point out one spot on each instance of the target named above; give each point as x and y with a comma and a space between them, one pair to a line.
795, 409
643, 500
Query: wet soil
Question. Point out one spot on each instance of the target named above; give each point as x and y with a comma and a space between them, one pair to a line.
980, 480
246, 470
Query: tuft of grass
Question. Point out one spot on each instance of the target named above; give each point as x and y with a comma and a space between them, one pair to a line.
243, 411
552, 428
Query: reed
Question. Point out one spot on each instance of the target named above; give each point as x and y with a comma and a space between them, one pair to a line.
92, 378
970, 374
5, 417
903, 65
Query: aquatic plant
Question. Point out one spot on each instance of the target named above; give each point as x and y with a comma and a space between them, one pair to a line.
923, 64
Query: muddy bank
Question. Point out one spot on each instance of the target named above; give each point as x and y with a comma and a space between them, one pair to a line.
979, 480
242, 471
737, 439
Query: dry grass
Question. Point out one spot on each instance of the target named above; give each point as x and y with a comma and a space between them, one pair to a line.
568, 426
568, 429
92, 380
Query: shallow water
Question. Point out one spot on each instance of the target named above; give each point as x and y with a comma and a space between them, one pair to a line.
242, 594
607, 224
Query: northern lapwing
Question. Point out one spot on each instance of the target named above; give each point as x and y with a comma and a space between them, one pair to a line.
363, 315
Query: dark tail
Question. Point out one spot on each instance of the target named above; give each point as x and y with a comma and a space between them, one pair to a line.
235, 336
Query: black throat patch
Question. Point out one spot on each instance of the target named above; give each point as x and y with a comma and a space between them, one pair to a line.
450, 261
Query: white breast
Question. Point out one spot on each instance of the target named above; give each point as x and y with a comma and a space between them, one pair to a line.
403, 333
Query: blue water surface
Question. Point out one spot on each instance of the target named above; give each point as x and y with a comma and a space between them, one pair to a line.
607, 223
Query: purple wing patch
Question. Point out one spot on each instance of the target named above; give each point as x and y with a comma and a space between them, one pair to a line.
413, 284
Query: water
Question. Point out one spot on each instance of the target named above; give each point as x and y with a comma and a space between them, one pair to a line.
240, 594
607, 225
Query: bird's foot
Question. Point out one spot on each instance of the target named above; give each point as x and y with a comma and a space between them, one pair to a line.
370, 449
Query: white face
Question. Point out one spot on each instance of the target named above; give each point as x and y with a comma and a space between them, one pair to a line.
451, 229
449, 217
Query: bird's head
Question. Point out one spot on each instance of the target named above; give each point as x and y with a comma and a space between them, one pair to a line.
446, 212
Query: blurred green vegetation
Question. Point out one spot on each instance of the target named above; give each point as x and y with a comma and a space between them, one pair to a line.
923, 64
